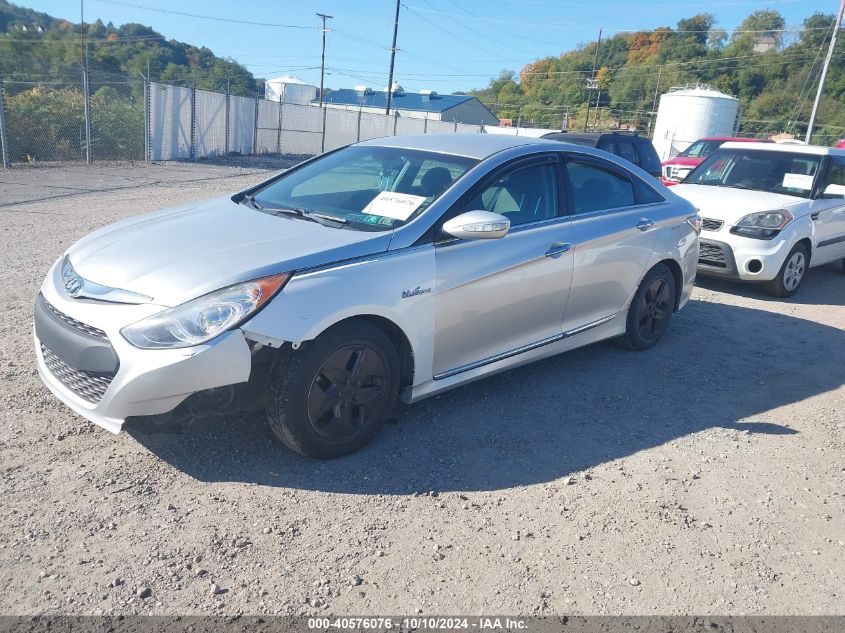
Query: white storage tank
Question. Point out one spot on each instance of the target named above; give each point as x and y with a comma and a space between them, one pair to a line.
290, 89
688, 114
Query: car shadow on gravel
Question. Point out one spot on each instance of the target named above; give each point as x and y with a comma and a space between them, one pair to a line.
821, 286
719, 367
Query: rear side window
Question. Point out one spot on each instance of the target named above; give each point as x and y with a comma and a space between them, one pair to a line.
608, 146
595, 188
626, 151
645, 194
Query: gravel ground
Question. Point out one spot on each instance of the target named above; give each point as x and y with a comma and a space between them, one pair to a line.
704, 476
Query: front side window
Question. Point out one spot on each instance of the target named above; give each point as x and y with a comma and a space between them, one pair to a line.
788, 173
700, 149
372, 188
597, 189
527, 194
834, 184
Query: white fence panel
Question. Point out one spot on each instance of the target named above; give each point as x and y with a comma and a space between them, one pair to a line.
241, 124
341, 127
375, 125
268, 137
302, 128
409, 125
170, 122
211, 124
466, 128
440, 127
275, 128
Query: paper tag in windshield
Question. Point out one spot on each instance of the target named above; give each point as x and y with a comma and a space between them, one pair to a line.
389, 204
797, 181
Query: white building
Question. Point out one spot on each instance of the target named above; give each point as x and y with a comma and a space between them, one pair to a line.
421, 105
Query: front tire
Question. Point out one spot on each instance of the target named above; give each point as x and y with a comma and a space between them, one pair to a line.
332, 396
791, 274
651, 309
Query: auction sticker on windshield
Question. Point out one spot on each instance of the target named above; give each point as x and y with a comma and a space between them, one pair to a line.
797, 181
390, 204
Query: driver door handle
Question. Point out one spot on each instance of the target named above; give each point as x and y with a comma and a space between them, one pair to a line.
557, 249
645, 224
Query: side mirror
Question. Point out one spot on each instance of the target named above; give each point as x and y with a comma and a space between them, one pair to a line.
478, 225
834, 191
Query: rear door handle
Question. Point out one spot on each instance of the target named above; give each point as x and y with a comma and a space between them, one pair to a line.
814, 216
645, 224
557, 249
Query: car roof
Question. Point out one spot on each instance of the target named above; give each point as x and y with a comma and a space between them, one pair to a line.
591, 136
815, 150
735, 139
476, 145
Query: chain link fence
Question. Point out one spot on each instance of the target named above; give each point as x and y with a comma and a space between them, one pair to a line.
74, 115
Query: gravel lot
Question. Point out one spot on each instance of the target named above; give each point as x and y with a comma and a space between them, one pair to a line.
704, 476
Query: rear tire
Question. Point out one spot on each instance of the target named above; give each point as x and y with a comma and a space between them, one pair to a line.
332, 396
651, 309
791, 274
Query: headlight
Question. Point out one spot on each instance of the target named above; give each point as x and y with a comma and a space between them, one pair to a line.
696, 223
201, 319
763, 225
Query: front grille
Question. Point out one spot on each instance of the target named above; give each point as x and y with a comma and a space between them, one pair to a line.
76, 325
708, 224
88, 385
712, 255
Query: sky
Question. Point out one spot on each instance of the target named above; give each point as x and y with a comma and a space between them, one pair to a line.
444, 45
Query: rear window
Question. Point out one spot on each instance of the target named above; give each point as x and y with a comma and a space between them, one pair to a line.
596, 189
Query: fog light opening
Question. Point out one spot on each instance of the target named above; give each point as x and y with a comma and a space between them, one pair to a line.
754, 266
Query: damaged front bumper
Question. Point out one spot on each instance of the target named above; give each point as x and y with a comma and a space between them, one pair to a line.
85, 361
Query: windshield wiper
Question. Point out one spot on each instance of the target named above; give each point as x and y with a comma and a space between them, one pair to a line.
737, 186
250, 198
321, 218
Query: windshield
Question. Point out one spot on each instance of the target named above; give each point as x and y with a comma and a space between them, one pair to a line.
776, 172
370, 188
701, 149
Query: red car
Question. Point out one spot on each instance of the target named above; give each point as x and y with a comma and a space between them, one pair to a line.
841, 144
676, 169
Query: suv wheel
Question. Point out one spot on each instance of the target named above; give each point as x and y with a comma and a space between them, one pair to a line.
651, 309
790, 275
332, 396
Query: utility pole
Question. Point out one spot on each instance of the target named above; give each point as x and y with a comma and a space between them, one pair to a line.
324, 17
85, 86
591, 82
654, 103
836, 27
392, 58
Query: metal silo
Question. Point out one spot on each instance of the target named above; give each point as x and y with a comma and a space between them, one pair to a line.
290, 90
688, 114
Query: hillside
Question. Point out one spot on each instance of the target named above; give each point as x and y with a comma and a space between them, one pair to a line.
37, 46
773, 70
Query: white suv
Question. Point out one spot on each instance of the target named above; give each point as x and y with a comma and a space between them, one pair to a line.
769, 212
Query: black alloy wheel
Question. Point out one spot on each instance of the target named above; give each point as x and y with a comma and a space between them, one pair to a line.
347, 393
654, 309
332, 395
651, 309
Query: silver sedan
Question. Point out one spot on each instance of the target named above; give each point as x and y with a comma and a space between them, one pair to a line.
394, 268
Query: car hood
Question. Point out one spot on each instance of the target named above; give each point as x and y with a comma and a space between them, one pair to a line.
177, 254
683, 160
729, 204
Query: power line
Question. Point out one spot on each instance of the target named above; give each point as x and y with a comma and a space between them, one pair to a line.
204, 17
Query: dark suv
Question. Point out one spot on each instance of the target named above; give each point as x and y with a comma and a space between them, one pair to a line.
633, 148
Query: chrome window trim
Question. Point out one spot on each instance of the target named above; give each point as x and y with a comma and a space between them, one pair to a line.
600, 212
